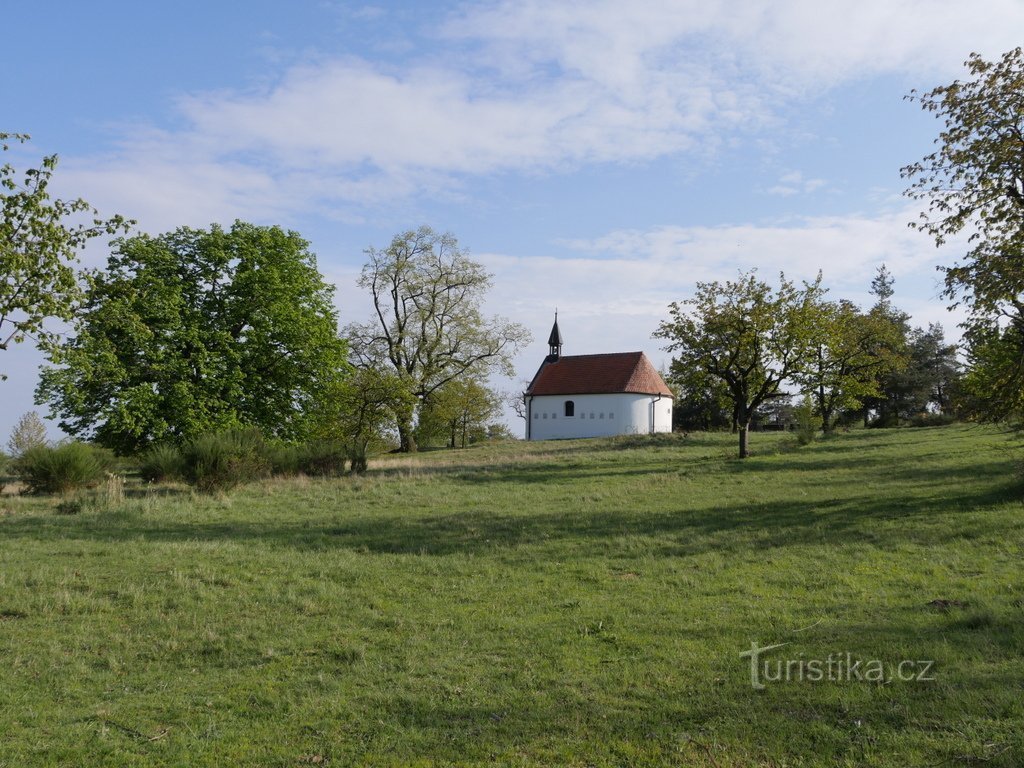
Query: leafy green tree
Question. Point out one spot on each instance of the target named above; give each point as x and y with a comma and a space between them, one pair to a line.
747, 335
890, 350
459, 411
428, 326
197, 331
39, 246
973, 184
702, 400
924, 382
360, 413
849, 359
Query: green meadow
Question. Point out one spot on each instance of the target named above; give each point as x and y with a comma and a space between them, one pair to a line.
565, 603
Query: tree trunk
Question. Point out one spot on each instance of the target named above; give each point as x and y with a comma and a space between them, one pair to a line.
406, 436
743, 430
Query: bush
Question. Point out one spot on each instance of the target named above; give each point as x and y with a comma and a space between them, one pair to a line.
161, 463
222, 460
64, 467
806, 425
932, 419
285, 460
319, 458
322, 458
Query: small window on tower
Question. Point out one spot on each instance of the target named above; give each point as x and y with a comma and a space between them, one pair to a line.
570, 408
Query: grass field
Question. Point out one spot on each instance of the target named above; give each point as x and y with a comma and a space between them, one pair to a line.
569, 603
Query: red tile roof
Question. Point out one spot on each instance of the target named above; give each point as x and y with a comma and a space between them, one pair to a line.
599, 375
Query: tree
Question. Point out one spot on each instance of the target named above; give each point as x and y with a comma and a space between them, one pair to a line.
428, 326
459, 411
748, 336
28, 433
702, 400
924, 382
890, 350
39, 245
196, 331
360, 411
973, 184
850, 356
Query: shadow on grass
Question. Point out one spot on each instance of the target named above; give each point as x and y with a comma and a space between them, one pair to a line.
688, 532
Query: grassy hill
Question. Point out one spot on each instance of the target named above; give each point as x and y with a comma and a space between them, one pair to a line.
580, 603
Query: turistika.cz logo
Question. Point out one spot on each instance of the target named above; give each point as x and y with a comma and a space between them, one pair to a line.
840, 667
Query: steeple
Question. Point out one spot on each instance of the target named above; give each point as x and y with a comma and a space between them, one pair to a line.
555, 341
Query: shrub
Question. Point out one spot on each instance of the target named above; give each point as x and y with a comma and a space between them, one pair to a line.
806, 426
161, 463
322, 458
931, 419
64, 467
222, 460
285, 460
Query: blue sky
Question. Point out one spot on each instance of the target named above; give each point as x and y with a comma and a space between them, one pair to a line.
597, 156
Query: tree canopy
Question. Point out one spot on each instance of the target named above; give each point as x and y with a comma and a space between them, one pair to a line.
40, 241
194, 331
973, 184
746, 334
428, 325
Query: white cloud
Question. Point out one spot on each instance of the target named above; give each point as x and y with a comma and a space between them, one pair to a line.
527, 86
794, 183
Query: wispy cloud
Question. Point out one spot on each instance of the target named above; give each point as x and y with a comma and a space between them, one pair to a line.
526, 87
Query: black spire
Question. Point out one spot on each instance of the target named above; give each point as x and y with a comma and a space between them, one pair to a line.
555, 341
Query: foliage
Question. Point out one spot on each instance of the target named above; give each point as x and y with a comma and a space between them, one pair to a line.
196, 331
701, 400
316, 458
161, 463
926, 380
428, 327
39, 245
29, 432
746, 335
973, 184
806, 428
64, 467
458, 413
322, 458
219, 461
853, 351
361, 412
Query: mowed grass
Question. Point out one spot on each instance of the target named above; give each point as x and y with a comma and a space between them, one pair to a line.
564, 603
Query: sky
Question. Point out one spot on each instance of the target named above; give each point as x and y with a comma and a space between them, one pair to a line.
599, 157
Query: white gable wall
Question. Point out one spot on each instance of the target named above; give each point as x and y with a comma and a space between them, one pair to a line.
597, 415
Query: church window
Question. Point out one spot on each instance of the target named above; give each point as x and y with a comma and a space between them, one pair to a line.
570, 408
601, 415
545, 415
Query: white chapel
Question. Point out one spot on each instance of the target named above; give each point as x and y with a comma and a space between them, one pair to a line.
618, 393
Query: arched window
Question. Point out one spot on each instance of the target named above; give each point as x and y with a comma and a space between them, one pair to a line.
570, 408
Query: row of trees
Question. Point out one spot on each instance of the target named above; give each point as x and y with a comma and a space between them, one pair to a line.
738, 342
200, 331
743, 350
